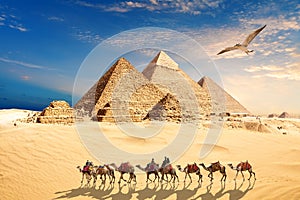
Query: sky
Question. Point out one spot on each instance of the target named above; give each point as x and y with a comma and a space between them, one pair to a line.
43, 45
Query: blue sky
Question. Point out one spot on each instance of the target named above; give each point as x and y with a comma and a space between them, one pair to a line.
43, 44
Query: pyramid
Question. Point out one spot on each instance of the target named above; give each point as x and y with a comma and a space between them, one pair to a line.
221, 101
284, 115
167, 109
121, 94
85, 106
165, 73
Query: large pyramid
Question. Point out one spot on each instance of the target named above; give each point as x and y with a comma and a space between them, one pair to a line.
221, 101
121, 94
161, 92
165, 73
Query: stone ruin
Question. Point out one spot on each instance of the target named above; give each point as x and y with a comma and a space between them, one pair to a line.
161, 92
58, 112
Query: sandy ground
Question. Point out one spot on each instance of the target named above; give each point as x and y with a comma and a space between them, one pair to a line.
39, 161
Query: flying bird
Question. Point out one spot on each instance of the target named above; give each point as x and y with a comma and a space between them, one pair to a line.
243, 46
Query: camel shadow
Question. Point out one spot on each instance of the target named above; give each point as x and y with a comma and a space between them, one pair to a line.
237, 193
86, 192
121, 194
186, 192
209, 196
148, 192
159, 191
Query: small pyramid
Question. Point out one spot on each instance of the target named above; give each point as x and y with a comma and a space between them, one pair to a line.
167, 109
221, 101
284, 115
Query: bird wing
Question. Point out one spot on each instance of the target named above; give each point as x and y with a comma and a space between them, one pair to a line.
252, 36
227, 49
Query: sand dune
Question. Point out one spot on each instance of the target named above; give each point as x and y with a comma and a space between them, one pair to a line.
39, 161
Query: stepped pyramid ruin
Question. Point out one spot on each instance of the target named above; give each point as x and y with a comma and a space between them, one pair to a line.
221, 101
121, 94
165, 73
161, 92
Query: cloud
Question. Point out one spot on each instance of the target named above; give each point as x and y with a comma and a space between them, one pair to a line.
24, 64
263, 68
86, 36
18, 27
10, 20
288, 71
25, 78
57, 19
263, 95
193, 7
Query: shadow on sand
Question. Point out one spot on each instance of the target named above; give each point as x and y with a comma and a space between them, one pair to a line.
159, 191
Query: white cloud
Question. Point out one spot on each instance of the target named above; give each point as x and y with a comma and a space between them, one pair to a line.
57, 19
288, 71
262, 95
18, 27
193, 7
24, 64
263, 68
11, 21
86, 36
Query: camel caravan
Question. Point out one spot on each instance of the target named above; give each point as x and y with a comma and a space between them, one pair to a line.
167, 172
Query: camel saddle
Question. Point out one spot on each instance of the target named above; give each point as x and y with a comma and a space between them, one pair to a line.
192, 167
86, 168
169, 167
245, 165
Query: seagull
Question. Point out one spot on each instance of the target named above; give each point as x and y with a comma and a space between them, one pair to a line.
243, 46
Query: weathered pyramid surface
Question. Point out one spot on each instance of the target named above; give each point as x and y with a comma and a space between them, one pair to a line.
86, 104
222, 102
121, 94
167, 109
194, 101
58, 112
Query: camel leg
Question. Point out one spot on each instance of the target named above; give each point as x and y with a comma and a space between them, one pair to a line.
130, 178
200, 177
190, 177
82, 178
254, 175
185, 177
147, 178
224, 176
121, 178
237, 172
210, 175
251, 172
243, 175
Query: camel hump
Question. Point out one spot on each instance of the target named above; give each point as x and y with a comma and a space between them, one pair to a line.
193, 167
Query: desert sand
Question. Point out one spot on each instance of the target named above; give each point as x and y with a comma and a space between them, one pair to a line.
38, 161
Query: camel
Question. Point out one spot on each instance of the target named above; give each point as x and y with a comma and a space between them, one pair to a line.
213, 168
151, 168
243, 166
168, 169
102, 171
190, 168
123, 169
87, 174
111, 173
